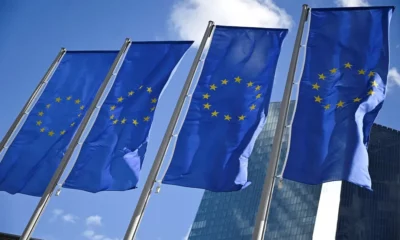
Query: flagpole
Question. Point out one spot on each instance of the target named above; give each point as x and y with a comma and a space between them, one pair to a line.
64, 162
151, 179
269, 182
31, 99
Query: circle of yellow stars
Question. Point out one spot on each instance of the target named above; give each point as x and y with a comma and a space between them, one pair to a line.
135, 121
334, 71
227, 117
58, 100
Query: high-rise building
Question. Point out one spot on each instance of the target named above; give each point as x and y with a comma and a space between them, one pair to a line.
374, 215
7, 236
362, 214
232, 215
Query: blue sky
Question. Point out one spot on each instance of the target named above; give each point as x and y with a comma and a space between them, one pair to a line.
32, 33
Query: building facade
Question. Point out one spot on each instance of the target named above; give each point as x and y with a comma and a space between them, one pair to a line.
232, 215
366, 215
7, 236
362, 214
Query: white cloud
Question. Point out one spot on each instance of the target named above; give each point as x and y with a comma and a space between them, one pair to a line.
189, 18
393, 77
352, 3
93, 220
55, 214
58, 212
90, 234
69, 218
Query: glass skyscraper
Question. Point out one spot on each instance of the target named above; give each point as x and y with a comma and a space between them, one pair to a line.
232, 215
362, 215
366, 215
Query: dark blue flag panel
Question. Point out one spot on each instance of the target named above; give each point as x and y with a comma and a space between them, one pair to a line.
341, 92
228, 110
112, 155
38, 148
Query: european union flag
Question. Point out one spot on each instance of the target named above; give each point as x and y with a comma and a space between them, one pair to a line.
227, 111
341, 92
38, 148
112, 155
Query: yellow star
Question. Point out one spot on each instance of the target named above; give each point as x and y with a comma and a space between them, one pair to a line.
206, 96
72, 124
69, 98
48, 105
77, 101
149, 90
39, 123
115, 121
154, 100
241, 118
123, 121
361, 72
321, 76
227, 118
258, 96
131, 93
58, 99
347, 65
141, 87
206, 106
315, 86
327, 106
333, 70
135, 122
238, 79
340, 104
40, 113
120, 99
80, 114
213, 87
42, 129
82, 107
112, 108
252, 107
62, 132
371, 92
250, 84
112, 116
51, 133
318, 99
152, 109
214, 114
374, 83
146, 119
371, 74
224, 82
357, 99
258, 87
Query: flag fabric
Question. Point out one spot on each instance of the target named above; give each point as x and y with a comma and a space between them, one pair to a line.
342, 89
39, 146
228, 110
112, 155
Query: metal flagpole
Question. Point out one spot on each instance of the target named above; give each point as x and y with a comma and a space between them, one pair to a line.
64, 162
151, 179
266, 196
31, 99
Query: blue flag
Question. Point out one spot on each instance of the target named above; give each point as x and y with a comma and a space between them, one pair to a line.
112, 155
227, 111
38, 148
341, 92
